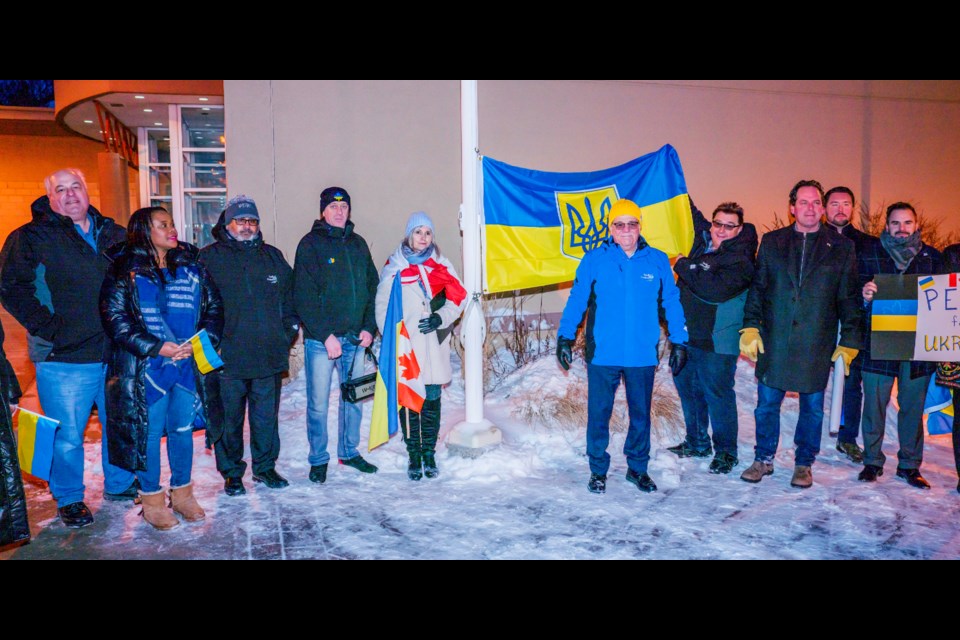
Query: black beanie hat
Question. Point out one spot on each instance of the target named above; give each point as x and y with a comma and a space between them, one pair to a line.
333, 194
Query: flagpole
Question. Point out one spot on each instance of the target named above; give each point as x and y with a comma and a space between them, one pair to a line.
475, 433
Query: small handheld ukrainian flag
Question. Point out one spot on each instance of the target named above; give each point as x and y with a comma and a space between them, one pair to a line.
35, 434
204, 353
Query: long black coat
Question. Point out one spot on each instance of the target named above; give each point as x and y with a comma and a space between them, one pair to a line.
798, 319
132, 344
13, 504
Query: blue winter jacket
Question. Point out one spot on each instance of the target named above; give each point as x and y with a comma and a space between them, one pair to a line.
622, 297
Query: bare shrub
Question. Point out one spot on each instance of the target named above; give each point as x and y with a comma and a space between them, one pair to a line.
568, 411
514, 337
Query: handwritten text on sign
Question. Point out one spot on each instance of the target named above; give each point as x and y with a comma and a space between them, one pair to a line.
938, 319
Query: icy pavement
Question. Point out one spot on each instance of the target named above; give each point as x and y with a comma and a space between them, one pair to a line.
528, 499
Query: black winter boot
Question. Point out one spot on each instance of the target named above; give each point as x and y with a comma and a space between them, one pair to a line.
430, 429
414, 469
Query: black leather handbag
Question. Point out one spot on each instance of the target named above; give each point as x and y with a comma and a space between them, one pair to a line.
362, 387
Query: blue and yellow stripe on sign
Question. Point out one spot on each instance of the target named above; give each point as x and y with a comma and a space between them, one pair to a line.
893, 322
204, 353
538, 224
925, 283
35, 435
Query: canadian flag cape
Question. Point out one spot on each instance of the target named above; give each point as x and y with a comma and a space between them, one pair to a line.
398, 377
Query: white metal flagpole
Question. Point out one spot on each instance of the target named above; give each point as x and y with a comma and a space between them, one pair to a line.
472, 436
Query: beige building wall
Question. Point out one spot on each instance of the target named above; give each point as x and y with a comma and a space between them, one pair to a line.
395, 144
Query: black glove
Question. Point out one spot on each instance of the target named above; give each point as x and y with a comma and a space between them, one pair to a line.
430, 323
564, 352
678, 358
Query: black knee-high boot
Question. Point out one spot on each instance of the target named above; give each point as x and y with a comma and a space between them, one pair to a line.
410, 430
430, 430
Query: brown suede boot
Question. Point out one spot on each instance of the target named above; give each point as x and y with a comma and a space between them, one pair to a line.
155, 511
183, 502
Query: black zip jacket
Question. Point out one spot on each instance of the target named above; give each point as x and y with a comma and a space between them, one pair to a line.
335, 283
50, 280
256, 284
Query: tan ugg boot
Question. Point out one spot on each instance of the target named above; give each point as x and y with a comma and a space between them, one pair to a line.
155, 511
183, 502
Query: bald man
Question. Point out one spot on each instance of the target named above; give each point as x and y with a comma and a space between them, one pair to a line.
50, 274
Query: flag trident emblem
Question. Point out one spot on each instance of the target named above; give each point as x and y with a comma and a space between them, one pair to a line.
583, 219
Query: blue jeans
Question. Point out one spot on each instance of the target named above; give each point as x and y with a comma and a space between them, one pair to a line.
319, 378
173, 415
809, 425
852, 405
602, 383
67, 393
705, 387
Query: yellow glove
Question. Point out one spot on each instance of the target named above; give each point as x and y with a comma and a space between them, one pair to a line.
750, 343
847, 354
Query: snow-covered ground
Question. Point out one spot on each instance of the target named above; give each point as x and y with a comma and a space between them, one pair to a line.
527, 498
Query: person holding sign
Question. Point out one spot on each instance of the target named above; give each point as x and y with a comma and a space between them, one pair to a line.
155, 297
899, 252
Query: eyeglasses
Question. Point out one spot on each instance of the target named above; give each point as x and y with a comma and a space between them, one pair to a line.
720, 225
247, 222
620, 226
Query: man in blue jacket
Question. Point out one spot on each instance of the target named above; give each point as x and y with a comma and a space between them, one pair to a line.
621, 285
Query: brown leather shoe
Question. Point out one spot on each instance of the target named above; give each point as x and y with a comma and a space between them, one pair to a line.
756, 471
802, 477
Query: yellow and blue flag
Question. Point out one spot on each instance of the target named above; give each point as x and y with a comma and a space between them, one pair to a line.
203, 352
538, 225
35, 434
398, 375
938, 408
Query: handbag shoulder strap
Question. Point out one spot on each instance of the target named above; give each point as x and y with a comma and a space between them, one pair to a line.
354, 361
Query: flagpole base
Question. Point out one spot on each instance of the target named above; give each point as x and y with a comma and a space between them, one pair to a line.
473, 439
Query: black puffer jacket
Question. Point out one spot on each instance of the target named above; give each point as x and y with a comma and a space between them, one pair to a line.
335, 283
132, 344
49, 280
713, 286
256, 284
13, 504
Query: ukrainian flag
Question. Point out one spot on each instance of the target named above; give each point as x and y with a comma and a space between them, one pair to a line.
538, 225
398, 375
893, 323
938, 408
204, 353
35, 434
